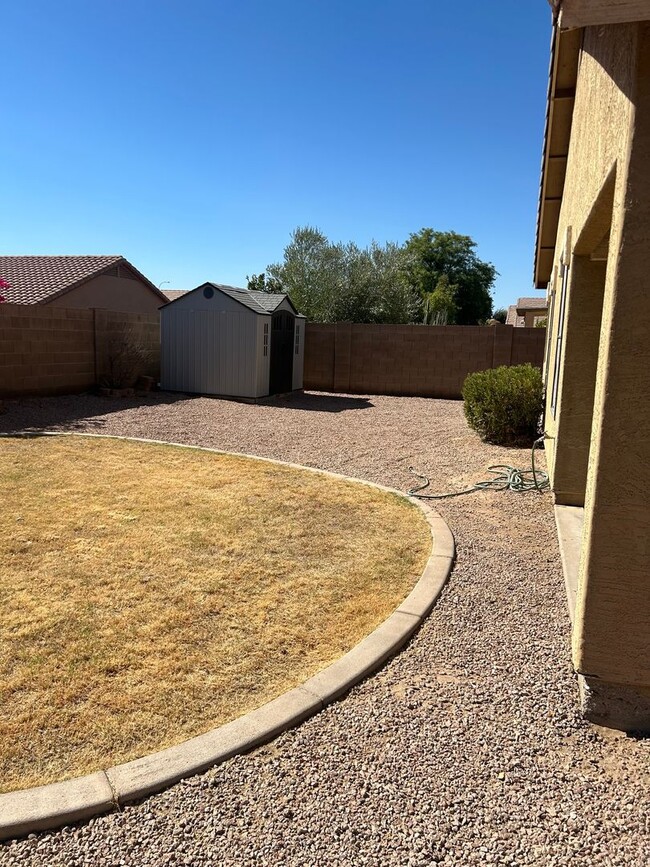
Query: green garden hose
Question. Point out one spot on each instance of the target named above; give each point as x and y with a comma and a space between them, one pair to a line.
506, 478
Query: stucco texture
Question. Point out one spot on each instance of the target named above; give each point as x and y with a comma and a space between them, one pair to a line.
598, 445
111, 293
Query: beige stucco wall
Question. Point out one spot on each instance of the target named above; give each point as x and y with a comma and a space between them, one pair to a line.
613, 634
111, 293
608, 176
600, 138
531, 315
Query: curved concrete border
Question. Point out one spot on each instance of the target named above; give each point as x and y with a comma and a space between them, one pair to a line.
58, 804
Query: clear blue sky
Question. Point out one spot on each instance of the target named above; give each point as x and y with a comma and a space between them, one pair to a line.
192, 136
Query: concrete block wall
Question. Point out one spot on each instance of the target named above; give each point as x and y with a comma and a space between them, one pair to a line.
429, 361
528, 344
144, 329
55, 350
319, 357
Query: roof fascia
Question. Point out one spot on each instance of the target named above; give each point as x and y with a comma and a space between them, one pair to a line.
141, 276
170, 301
80, 282
119, 261
572, 14
565, 50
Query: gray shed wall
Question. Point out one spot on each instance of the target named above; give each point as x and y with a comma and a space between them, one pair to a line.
211, 352
216, 346
196, 301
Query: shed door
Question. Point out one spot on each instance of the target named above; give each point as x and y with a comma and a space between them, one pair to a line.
282, 331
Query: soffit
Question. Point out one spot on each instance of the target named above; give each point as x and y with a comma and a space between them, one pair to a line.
563, 74
584, 13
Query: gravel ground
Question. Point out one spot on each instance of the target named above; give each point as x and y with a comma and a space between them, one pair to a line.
467, 748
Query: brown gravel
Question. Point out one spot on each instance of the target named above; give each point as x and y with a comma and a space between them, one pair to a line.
466, 749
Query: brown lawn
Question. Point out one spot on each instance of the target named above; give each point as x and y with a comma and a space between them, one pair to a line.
149, 593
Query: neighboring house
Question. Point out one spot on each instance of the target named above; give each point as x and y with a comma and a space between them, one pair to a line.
107, 282
593, 258
233, 342
173, 294
513, 319
527, 313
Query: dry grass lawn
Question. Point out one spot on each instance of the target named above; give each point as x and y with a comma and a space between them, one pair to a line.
149, 593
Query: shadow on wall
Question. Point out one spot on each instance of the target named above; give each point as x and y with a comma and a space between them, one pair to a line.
321, 402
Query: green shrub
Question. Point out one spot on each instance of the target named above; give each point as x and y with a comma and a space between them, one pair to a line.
504, 405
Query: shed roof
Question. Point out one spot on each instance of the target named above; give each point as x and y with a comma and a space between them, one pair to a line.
40, 279
262, 303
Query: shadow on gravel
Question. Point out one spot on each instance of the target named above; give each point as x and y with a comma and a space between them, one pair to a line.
314, 402
74, 411
87, 412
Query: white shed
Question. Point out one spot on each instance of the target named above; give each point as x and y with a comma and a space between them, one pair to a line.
234, 342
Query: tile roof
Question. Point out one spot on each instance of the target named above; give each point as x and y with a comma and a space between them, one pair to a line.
513, 319
173, 294
516, 312
36, 279
538, 303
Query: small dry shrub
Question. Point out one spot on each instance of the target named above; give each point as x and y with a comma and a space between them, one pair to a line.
126, 359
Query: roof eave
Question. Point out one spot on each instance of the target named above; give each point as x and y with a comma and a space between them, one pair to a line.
79, 282
563, 73
571, 14
144, 279
521, 311
119, 260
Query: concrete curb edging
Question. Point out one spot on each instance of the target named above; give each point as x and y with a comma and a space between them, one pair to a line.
63, 803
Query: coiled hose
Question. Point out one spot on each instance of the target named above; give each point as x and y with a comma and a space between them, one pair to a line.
506, 478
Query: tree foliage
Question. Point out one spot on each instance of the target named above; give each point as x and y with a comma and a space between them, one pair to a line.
435, 278
264, 283
433, 255
343, 282
440, 305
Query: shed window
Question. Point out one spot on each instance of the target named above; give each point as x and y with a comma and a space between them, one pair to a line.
297, 339
266, 338
208, 292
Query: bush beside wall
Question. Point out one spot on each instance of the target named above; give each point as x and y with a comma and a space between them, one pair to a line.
504, 405
423, 360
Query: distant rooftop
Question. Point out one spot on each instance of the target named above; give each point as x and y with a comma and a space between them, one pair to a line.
513, 319
37, 279
40, 279
538, 303
516, 312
